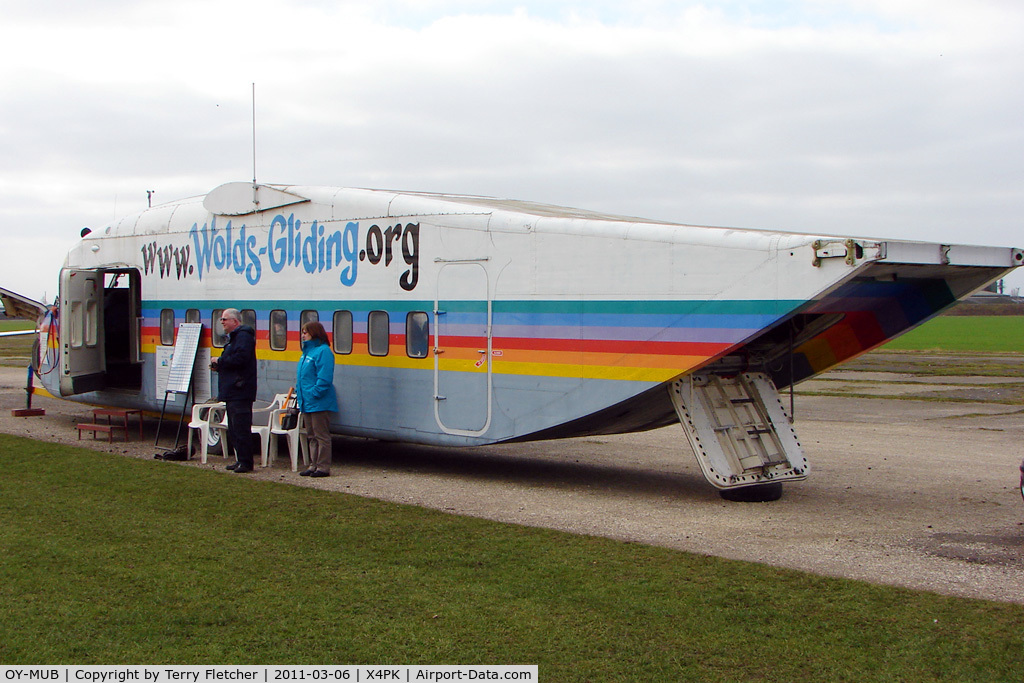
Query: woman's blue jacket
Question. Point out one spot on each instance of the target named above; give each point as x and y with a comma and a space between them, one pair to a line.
314, 381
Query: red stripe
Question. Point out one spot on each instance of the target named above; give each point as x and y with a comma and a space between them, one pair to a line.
590, 345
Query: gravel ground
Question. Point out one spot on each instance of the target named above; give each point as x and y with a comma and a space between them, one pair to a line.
914, 493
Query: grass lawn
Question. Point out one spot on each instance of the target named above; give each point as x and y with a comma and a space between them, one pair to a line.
16, 351
113, 560
988, 334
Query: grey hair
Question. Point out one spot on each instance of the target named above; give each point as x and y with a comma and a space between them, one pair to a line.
231, 313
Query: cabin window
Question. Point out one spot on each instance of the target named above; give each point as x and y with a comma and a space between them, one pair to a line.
193, 315
219, 337
343, 332
308, 317
278, 330
417, 334
247, 316
167, 327
378, 334
217, 329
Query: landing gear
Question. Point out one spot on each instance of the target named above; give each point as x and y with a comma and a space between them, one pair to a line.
740, 433
758, 493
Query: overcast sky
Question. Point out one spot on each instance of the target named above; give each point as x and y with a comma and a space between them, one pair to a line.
874, 118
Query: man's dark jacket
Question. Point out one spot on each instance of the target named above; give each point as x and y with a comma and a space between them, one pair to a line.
237, 366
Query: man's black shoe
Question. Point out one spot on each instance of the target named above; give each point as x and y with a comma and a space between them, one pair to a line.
242, 469
232, 466
318, 473
306, 473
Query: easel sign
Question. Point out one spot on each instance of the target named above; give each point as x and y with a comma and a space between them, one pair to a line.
179, 375
201, 380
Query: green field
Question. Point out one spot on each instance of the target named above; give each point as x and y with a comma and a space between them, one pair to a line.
16, 351
108, 559
985, 334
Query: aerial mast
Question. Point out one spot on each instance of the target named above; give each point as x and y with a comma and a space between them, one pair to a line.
255, 187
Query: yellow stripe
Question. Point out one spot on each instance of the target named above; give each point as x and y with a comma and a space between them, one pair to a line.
643, 368
599, 359
620, 373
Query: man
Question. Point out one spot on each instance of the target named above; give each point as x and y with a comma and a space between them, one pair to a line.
237, 386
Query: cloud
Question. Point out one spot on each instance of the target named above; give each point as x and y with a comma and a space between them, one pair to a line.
894, 119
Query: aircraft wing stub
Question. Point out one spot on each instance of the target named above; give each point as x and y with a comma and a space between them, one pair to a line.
850, 250
242, 199
933, 253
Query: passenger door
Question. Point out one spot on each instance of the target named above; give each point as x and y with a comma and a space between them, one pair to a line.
462, 349
83, 358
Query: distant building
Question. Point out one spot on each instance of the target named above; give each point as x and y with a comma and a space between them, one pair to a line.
993, 300
995, 288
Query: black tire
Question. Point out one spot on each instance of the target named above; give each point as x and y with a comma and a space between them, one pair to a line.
758, 493
215, 445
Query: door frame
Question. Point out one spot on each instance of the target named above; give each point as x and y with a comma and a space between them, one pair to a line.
442, 299
84, 354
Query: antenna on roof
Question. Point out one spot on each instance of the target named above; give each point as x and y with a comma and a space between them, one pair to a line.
255, 197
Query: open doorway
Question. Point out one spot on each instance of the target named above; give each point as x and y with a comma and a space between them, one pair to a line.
122, 322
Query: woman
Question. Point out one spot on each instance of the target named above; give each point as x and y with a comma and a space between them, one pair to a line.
314, 389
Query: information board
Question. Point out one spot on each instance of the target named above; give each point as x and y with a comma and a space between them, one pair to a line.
183, 358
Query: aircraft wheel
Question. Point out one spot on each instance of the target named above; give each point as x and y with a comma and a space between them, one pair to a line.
758, 493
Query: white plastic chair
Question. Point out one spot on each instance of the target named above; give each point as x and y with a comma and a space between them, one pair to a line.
206, 417
295, 439
261, 424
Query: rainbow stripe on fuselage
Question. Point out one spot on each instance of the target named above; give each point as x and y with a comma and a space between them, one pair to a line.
615, 349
